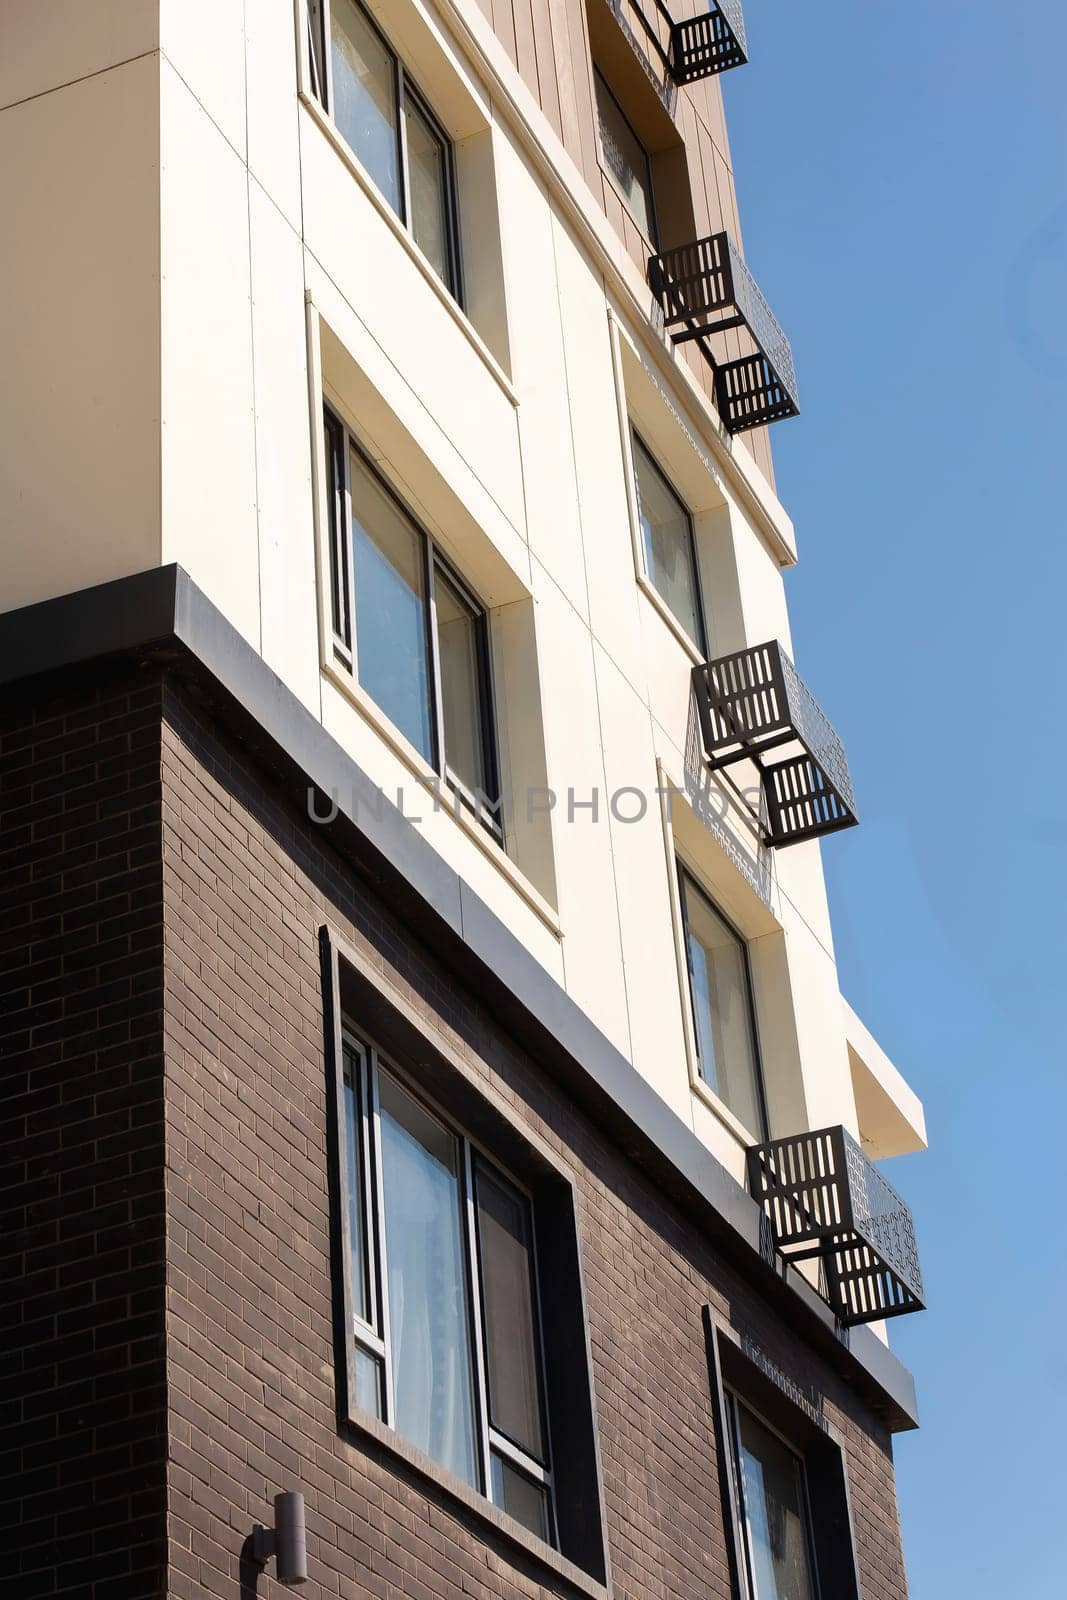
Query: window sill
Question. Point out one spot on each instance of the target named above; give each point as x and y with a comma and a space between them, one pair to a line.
329, 128
721, 1110
431, 782
363, 1423
691, 648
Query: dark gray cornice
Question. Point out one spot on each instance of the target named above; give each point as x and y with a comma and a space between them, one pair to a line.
161, 616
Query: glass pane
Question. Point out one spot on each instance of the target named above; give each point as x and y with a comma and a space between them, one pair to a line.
390, 608
335, 473
368, 1382
354, 1174
315, 48
462, 688
364, 95
774, 1508
520, 1497
667, 535
627, 159
722, 1015
429, 1335
512, 1347
428, 187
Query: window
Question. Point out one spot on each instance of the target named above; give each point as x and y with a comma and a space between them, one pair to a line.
720, 991
626, 159
668, 545
445, 1324
773, 1509
389, 125
408, 628
782, 1475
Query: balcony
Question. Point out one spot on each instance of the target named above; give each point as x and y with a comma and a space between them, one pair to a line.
825, 1200
698, 48
705, 291
754, 702
713, 42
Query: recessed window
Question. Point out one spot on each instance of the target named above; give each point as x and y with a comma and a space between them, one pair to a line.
363, 84
773, 1508
461, 1340
626, 159
782, 1475
409, 629
443, 1293
668, 545
720, 993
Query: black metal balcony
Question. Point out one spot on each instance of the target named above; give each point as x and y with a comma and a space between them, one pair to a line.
754, 702
697, 48
705, 290
713, 42
825, 1199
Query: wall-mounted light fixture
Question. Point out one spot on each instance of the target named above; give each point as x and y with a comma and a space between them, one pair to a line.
286, 1541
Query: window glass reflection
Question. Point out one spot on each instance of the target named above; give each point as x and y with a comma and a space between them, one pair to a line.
391, 614
429, 1333
722, 1007
775, 1514
364, 96
667, 537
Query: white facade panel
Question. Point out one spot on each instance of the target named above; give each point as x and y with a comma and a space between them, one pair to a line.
209, 447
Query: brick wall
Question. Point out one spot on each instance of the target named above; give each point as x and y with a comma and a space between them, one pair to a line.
81, 1140
246, 882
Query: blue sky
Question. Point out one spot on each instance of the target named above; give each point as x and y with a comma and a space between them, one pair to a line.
903, 182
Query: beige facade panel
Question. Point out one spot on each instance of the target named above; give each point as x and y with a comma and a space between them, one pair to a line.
51, 44
79, 311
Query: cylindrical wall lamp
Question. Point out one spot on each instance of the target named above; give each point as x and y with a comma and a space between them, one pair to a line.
286, 1541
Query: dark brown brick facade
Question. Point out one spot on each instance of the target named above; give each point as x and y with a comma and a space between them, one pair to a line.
81, 1207
244, 885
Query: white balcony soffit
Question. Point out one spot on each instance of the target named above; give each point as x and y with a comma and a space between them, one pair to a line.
891, 1117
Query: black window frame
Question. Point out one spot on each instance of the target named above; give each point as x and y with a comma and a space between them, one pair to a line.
685, 876
739, 1373
318, 27
735, 1403
700, 643
654, 235
361, 1055
357, 999
339, 441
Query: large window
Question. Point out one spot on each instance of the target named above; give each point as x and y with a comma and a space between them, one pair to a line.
668, 545
720, 992
364, 86
773, 1507
626, 159
445, 1329
405, 624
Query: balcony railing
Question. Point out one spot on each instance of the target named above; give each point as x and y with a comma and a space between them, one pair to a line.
696, 48
824, 1199
713, 42
705, 290
754, 702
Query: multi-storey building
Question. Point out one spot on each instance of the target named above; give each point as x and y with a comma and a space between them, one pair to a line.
427, 1085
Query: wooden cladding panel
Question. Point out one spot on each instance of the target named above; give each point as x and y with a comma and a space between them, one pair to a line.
548, 41
544, 84
525, 48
